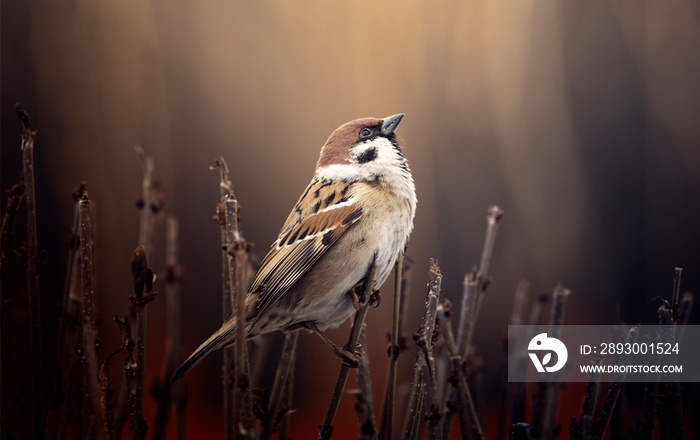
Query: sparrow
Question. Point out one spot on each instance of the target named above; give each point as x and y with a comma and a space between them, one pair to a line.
357, 211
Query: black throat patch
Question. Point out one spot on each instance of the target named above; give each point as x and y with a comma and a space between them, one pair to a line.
367, 156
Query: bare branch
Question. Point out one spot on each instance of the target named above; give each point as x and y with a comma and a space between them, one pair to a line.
28, 136
464, 404
327, 427
387, 430
143, 285
92, 413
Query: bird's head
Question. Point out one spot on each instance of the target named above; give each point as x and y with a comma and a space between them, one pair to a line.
365, 148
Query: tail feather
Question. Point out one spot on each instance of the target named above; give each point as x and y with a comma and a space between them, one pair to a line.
219, 339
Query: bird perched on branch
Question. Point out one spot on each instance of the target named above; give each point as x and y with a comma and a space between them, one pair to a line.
357, 212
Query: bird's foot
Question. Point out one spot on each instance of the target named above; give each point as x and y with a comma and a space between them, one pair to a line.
358, 299
352, 360
356, 295
375, 299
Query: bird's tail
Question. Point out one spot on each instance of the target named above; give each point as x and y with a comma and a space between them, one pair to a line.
219, 339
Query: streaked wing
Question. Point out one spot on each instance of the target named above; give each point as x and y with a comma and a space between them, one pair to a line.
320, 217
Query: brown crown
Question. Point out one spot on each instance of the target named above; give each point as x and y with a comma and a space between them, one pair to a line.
337, 147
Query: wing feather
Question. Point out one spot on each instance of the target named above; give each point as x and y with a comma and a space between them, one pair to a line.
310, 230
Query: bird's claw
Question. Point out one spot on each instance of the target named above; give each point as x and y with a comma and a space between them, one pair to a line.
352, 360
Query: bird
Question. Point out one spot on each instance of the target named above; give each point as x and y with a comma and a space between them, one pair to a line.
356, 213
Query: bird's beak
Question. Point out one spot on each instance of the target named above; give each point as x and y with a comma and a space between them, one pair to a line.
391, 123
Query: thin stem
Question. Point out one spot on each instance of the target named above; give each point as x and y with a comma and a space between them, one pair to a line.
327, 427
425, 344
170, 392
645, 425
615, 387
237, 261
92, 413
471, 283
28, 136
14, 200
590, 400
545, 412
143, 285
467, 411
394, 351
69, 323
470, 291
151, 202
493, 220
286, 364
684, 309
365, 399
508, 389
670, 409
226, 189
412, 423
287, 397
676, 287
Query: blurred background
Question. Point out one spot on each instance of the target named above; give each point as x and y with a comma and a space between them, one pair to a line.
580, 119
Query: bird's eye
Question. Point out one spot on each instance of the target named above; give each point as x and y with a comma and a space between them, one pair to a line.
365, 133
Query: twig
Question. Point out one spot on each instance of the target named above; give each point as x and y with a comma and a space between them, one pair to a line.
676, 289
143, 286
365, 400
424, 382
130, 367
238, 399
684, 309
412, 423
236, 255
590, 400
465, 404
226, 189
150, 203
645, 425
406, 277
669, 407
169, 392
281, 377
614, 390
387, 429
475, 284
405, 283
327, 427
287, 398
28, 136
91, 414
106, 392
469, 289
70, 328
544, 414
516, 318
69, 323
493, 220
470, 286
427, 333
14, 198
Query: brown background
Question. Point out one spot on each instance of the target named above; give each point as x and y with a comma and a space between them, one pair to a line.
580, 119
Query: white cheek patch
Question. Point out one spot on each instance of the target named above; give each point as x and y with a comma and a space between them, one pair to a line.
387, 163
